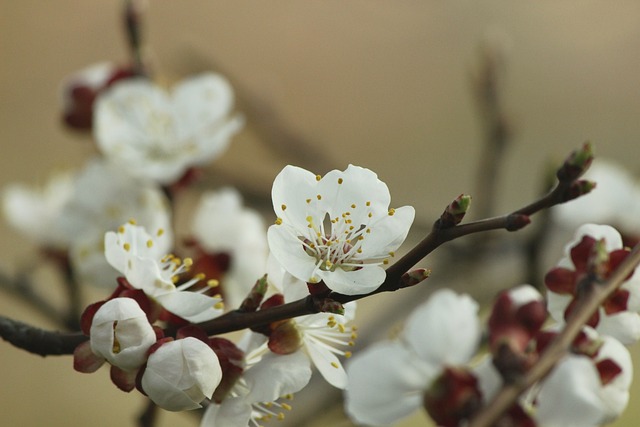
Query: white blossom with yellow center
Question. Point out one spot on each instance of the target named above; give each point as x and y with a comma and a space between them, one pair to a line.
158, 135
338, 228
144, 262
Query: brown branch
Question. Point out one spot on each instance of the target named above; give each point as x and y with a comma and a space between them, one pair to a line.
559, 347
39, 341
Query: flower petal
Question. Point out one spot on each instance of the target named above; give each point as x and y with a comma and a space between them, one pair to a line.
393, 392
364, 280
275, 376
445, 329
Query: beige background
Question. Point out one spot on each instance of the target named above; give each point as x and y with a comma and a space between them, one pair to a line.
382, 84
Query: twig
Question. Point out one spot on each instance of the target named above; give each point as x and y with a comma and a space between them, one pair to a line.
39, 341
508, 395
148, 416
23, 289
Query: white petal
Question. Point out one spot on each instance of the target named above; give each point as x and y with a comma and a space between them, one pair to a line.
388, 233
569, 397
489, 379
233, 412
623, 326
290, 254
360, 187
557, 304
275, 376
445, 329
355, 282
291, 189
191, 306
327, 363
615, 395
201, 100
386, 383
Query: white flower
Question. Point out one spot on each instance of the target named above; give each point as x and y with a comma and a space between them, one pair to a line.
181, 374
322, 334
144, 262
103, 198
266, 378
158, 135
79, 90
623, 324
222, 225
36, 212
337, 229
574, 395
121, 333
387, 381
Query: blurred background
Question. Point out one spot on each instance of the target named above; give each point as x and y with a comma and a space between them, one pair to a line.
381, 84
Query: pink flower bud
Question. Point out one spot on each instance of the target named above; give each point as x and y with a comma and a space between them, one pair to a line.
180, 374
121, 333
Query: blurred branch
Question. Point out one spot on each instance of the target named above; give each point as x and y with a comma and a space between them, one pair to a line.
22, 288
559, 347
486, 82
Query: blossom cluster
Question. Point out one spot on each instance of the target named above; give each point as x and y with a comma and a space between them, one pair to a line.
332, 241
437, 363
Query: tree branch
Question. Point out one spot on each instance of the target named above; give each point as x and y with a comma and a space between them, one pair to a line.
39, 341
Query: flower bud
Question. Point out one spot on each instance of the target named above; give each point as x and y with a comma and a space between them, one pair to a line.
576, 164
121, 333
454, 213
180, 374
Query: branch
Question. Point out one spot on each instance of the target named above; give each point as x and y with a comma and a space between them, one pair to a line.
38, 341
559, 347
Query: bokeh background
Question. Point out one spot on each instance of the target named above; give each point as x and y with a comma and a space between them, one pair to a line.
382, 84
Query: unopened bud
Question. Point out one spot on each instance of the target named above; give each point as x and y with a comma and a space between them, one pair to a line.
253, 300
517, 221
454, 213
578, 189
576, 164
285, 338
413, 277
327, 305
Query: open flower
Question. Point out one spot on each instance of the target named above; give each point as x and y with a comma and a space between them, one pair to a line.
145, 264
36, 212
79, 91
121, 333
619, 315
232, 243
266, 378
583, 391
390, 380
321, 336
158, 135
102, 199
181, 374
338, 228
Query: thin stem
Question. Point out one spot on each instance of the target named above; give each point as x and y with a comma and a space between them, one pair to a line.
559, 347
